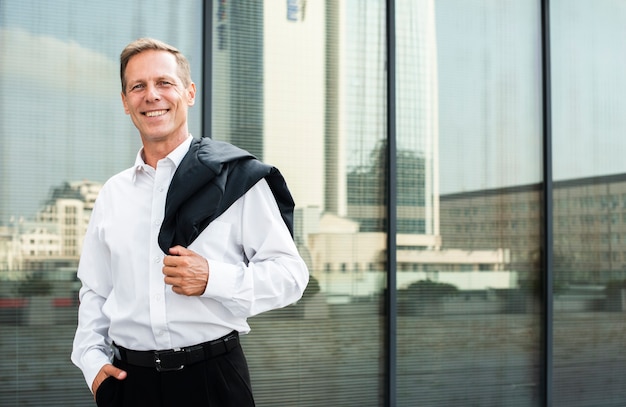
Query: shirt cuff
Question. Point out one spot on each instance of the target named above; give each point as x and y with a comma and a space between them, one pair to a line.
223, 279
92, 363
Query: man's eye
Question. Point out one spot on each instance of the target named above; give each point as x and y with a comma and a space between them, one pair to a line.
166, 83
137, 86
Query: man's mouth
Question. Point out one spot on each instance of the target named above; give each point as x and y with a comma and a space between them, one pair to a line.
155, 113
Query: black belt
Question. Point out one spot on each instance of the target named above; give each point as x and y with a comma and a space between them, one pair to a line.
177, 359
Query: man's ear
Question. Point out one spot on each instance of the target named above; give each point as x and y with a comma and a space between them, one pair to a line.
191, 94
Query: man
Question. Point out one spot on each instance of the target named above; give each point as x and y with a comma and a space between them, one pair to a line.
180, 250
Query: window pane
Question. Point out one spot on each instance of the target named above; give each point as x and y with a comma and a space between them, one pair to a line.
588, 86
469, 218
301, 84
63, 132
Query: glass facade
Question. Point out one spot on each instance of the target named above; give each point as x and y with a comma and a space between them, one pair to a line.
589, 222
469, 105
431, 193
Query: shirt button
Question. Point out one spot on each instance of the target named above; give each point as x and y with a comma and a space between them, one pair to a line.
157, 259
157, 222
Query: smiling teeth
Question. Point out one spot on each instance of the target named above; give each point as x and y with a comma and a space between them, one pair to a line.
156, 113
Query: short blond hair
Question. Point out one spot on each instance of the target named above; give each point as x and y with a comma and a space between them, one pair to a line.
146, 44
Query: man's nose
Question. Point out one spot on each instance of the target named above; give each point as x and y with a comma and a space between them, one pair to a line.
152, 93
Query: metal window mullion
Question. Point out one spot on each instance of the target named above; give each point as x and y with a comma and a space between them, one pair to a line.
207, 69
391, 335
548, 275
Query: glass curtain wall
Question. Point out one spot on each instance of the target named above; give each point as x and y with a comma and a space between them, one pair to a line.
468, 112
302, 84
588, 119
63, 132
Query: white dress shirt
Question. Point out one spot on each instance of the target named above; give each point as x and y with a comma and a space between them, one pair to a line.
254, 266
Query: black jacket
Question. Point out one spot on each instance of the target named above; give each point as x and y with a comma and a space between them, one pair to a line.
209, 179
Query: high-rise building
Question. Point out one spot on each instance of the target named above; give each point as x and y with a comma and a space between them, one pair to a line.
306, 91
268, 94
299, 78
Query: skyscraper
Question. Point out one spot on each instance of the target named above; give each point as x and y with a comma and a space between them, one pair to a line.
313, 75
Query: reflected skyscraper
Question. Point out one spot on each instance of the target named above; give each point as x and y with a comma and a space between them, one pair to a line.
313, 76
360, 113
311, 99
268, 87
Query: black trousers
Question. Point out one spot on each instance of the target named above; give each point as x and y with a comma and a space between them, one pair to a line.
222, 381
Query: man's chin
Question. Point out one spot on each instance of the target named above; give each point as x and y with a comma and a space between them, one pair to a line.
161, 137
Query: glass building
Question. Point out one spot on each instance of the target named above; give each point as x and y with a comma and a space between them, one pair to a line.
456, 165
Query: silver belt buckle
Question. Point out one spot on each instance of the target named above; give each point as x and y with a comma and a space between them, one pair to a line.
159, 368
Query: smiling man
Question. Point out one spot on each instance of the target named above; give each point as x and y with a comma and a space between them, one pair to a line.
180, 250
157, 92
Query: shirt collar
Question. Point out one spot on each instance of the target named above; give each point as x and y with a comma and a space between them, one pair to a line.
176, 156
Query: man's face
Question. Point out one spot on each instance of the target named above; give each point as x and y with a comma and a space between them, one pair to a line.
156, 98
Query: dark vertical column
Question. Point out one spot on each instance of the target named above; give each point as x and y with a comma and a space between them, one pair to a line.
331, 106
391, 336
207, 68
548, 277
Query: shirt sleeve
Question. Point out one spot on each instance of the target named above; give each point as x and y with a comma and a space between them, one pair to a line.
91, 347
274, 275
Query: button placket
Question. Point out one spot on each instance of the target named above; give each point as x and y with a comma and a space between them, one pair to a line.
158, 314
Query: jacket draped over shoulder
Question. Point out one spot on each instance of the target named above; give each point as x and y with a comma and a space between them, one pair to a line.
210, 178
